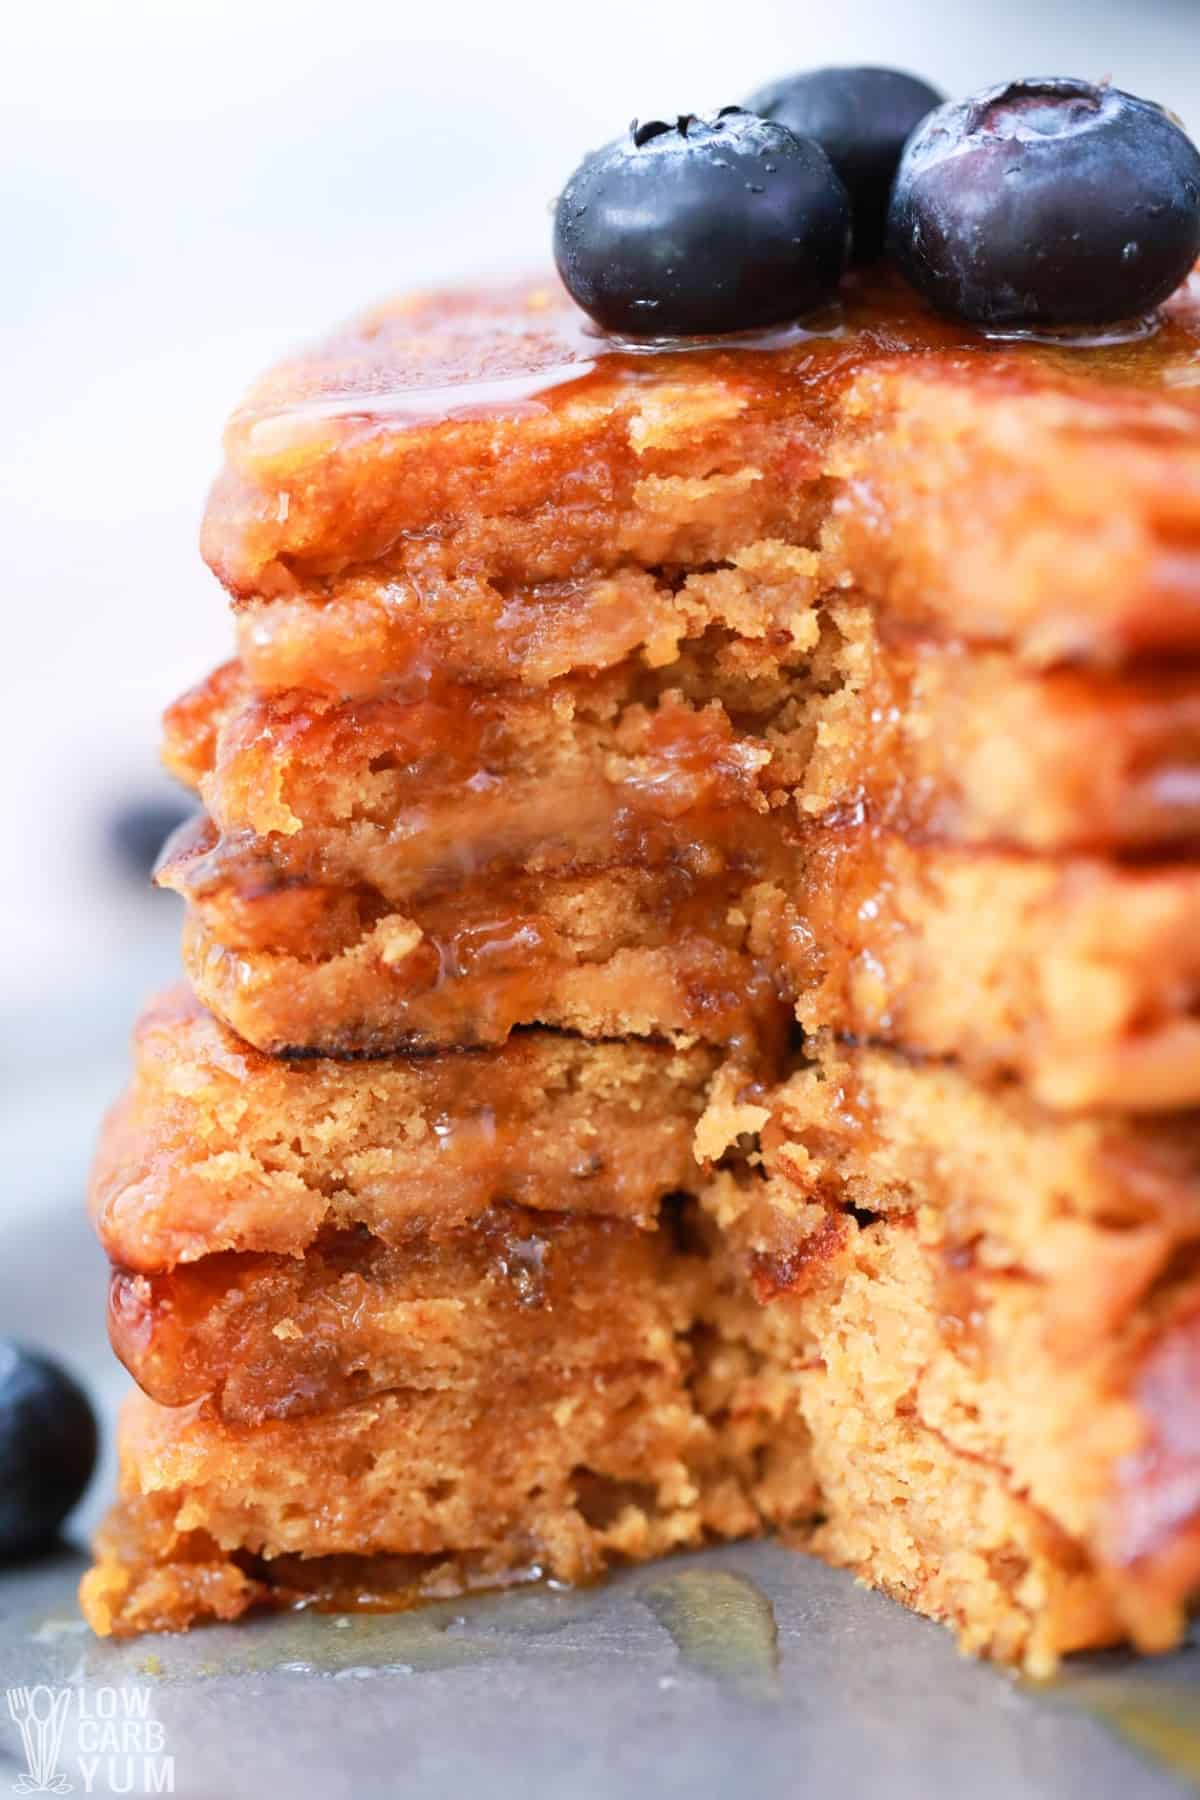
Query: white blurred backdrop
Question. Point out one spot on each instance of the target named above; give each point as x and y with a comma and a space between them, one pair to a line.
189, 186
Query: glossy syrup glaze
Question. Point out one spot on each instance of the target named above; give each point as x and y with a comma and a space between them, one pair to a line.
528, 349
278, 1336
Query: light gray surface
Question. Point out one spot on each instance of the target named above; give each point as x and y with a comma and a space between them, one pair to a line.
749, 1670
599, 1694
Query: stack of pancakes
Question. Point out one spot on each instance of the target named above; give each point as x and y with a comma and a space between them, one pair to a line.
694, 952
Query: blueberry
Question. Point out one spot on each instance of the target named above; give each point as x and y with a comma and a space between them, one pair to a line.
702, 227
47, 1448
861, 119
137, 829
1047, 202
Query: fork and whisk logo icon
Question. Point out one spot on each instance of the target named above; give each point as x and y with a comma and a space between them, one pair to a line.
40, 1715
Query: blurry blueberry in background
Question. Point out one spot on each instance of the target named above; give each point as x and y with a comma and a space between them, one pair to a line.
48, 1443
138, 827
861, 117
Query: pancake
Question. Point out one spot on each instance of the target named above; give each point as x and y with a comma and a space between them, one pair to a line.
661, 1429
1080, 975
215, 1147
264, 1337
473, 468
440, 781
897, 1409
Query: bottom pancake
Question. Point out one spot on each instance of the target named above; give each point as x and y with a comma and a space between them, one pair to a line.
841, 1415
661, 1428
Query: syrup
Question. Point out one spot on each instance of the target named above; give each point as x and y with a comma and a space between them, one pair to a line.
520, 395
723, 1627
257, 1337
828, 323
519, 355
1158, 1718
523, 368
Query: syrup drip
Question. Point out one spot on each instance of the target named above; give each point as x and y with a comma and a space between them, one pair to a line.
517, 395
580, 347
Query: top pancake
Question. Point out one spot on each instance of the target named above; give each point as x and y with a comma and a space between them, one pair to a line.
477, 481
